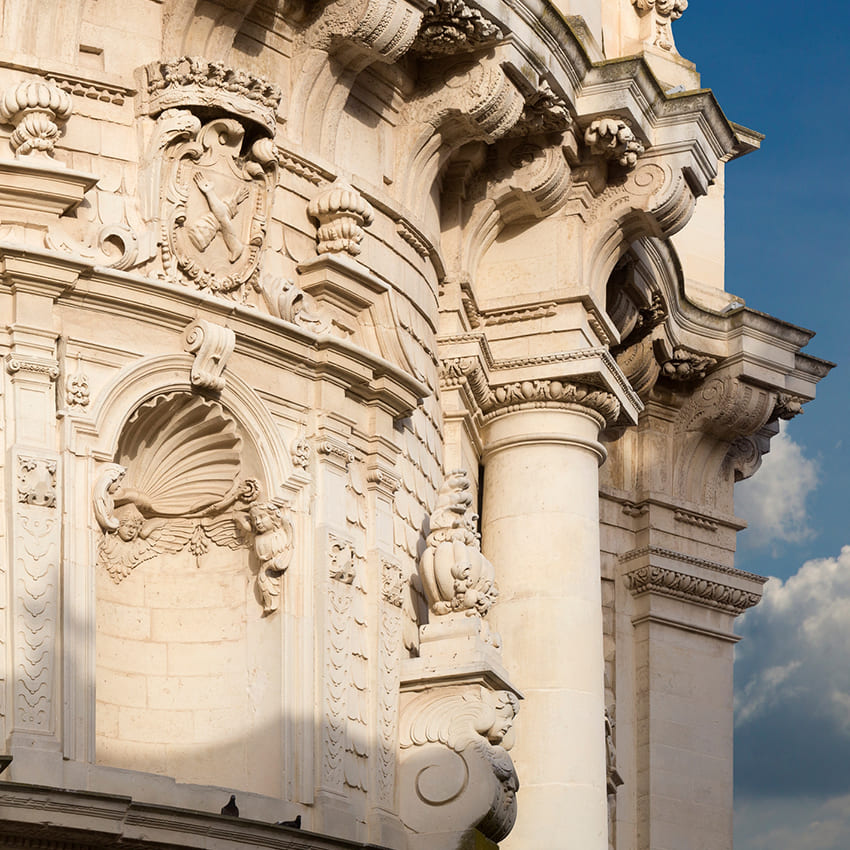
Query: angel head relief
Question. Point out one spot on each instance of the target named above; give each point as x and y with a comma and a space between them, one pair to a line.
179, 484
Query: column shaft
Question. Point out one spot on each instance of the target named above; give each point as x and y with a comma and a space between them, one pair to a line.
541, 532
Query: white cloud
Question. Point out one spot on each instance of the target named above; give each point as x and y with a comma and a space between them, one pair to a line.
799, 824
792, 675
773, 501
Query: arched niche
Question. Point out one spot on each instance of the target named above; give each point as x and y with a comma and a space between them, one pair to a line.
186, 666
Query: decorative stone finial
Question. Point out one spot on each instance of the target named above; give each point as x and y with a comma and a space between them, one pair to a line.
342, 213
613, 139
34, 107
456, 577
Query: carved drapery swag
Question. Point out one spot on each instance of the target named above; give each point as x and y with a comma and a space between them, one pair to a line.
178, 484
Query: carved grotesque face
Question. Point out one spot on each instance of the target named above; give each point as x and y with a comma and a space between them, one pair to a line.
506, 711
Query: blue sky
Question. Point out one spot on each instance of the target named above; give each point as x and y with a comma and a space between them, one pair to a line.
780, 67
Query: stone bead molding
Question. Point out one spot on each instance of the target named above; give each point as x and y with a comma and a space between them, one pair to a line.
35, 108
455, 769
190, 81
455, 576
701, 585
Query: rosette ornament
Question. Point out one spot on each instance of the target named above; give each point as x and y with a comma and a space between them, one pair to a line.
342, 213
34, 107
455, 576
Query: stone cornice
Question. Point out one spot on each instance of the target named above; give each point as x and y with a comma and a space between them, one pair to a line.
78, 819
665, 572
113, 293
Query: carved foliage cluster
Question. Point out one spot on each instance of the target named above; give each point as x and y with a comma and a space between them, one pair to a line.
613, 139
450, 26
665, 11
342, 213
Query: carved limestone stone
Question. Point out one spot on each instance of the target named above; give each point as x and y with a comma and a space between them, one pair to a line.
34, 107
212, 346
342, 213
455, 770
613, 139
273, 536
455, 576
664, 11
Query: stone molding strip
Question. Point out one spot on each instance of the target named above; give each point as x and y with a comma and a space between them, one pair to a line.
688, 559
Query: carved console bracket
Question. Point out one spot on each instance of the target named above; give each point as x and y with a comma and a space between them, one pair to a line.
450, 26
663, 12
212, 346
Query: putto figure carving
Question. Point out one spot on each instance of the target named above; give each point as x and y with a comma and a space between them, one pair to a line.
273, 536
455, 575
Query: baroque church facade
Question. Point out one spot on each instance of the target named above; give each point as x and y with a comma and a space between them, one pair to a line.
372, 405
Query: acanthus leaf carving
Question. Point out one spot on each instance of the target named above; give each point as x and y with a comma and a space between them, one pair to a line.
450, 26
212, 346
687, 366
288, 301
37, 481
664, 11
544, 112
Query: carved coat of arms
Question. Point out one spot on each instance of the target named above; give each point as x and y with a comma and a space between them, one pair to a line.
216, 205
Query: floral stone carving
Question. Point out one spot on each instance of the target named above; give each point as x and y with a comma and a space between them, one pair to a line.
450, 26
613, 139
455, 576
342, 213
455, 769
665, 11
34, 107
215, 205
178, 483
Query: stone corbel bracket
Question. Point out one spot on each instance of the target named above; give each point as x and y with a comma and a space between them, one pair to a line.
454, 768
212, 346
659, 14
345, 38
461, 101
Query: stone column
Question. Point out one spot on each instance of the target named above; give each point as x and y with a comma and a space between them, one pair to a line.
541, 531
